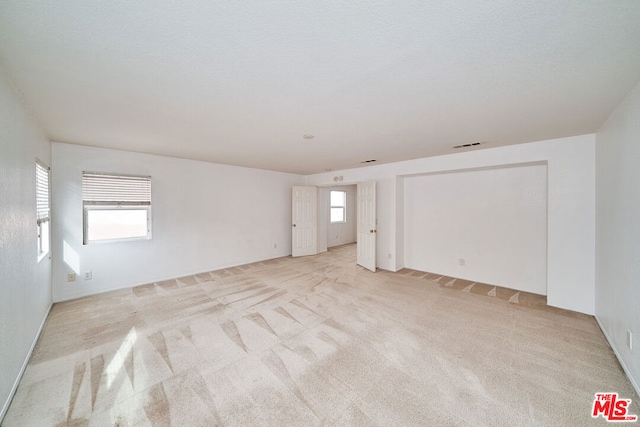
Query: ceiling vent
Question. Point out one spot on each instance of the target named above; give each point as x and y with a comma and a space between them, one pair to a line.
369, 161
473, 144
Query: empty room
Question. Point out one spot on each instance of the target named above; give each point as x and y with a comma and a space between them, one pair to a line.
319, 213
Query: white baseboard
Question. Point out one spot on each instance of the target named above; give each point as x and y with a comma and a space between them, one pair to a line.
5, 407
626, 370
82, 294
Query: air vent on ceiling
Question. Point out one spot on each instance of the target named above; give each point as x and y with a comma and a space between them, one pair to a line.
369, 161
473, 144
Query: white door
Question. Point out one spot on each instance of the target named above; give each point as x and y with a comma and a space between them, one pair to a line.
304, 227
367, 225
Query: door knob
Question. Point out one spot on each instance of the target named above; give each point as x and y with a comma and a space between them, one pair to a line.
294, 225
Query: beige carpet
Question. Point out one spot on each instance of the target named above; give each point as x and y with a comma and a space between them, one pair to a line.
315, 341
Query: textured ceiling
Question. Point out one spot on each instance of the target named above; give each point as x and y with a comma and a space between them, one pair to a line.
241, 82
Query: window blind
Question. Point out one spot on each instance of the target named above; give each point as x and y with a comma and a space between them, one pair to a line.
42, 193
104, 189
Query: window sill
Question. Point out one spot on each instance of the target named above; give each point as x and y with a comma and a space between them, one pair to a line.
124, 239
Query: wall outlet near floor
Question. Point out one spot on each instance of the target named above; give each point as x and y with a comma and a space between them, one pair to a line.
275, 246
461, 261
629, 340
87, 275
71, 277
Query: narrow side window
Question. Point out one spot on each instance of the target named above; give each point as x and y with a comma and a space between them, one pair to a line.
43, 209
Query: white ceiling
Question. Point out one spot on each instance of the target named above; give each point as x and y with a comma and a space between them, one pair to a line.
240, 82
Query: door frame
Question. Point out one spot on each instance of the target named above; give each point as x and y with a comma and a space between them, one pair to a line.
323, 205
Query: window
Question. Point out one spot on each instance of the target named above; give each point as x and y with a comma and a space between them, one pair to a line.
338, 206
42, 209
116, 207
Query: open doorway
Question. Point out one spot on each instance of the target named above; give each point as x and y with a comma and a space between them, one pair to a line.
342, 228
347, 217
341, 224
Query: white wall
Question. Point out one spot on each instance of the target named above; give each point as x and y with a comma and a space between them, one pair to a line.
494, 219
205, 216
25, 284
618, 231
344, 232
570, 205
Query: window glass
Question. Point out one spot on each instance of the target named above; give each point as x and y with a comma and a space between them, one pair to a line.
338, 206
337, 214
116, 223
338, 198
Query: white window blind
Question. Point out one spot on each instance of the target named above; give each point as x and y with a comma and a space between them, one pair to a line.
103, 189
42, 193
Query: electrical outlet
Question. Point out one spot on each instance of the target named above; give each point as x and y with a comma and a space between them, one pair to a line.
71, 277
629, 340
87, 275
275, 246
461, 261
390, 256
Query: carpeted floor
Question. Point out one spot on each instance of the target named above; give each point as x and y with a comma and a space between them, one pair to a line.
316, 341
